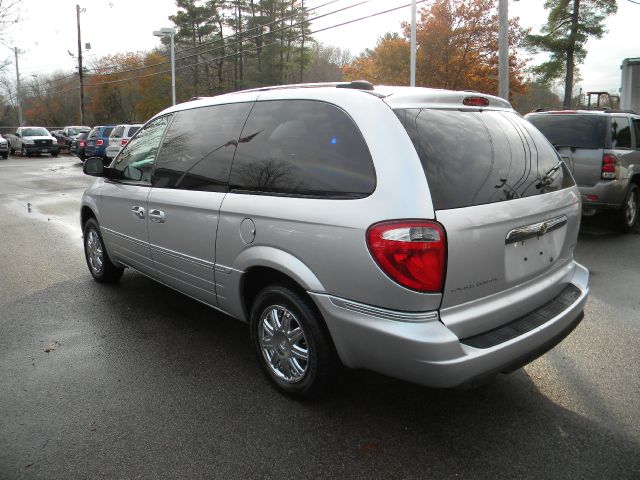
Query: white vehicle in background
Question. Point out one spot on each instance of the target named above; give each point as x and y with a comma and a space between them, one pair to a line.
31, 140
630, 87
119, 137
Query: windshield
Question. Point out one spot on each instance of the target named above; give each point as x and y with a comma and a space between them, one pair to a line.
35, 132
579, 131
479, 157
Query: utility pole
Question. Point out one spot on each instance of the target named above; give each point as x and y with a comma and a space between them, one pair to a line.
503, 49
80, 72
18, 101
412, 80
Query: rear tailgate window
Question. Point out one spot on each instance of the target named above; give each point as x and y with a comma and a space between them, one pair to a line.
480, 157
579, 131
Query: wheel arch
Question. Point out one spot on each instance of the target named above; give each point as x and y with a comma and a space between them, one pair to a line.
262, 266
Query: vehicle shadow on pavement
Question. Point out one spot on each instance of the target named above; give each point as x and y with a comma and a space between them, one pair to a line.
143, 381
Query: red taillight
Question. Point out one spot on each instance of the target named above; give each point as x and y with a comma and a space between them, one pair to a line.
609, 164
413, 253
82, 143
123, 142
476, 102
99, 143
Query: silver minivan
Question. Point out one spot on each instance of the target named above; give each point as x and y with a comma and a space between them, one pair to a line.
423, 234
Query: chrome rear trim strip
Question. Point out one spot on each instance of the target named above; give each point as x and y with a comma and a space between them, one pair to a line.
535, 230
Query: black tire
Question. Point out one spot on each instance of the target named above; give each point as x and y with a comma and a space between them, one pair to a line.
104, 271
322, 364
5, 155
54, 154
628, 213
23, 151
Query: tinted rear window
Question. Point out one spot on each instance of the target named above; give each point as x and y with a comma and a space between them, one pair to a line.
302, 147
107, 131
580, 131
479, 157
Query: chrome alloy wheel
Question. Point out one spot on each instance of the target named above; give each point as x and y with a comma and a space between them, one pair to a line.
283, 344
94, 252
632, 207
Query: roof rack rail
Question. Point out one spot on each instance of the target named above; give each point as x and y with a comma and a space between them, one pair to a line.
356, 85
583, 108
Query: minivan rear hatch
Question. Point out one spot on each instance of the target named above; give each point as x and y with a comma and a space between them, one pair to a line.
504, 199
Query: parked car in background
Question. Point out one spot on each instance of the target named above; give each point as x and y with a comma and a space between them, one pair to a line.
30, 140
66, 136
97, 141
119, 137
78, 146
424, 234
602, 149
4, 147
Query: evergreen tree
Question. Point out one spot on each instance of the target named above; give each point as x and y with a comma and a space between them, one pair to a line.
570, 24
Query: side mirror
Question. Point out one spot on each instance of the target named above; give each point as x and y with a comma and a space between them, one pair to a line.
93, 166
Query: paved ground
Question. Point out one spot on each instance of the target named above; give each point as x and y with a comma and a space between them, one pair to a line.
136, 381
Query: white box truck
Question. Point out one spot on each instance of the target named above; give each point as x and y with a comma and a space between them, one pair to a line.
630, 85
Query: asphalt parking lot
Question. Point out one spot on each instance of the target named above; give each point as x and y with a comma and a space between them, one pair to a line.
134, 380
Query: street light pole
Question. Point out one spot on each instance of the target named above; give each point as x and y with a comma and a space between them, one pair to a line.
503, 49
80, 72
18, 101
412, 81
173, 69
170, 32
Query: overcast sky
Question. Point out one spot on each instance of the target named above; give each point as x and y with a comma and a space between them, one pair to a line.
48, 31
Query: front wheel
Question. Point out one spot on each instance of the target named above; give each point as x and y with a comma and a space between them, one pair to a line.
54, 154
628, 214
293, 345
5, 155
98, 261
23, 151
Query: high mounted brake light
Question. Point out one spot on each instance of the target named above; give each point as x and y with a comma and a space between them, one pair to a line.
475, 102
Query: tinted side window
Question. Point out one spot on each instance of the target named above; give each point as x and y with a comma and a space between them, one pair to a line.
620, 132
135, 160
302, 147
199, 146
636, 127
474, 158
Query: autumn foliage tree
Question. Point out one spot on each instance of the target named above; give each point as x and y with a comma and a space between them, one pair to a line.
388, 63
457, 49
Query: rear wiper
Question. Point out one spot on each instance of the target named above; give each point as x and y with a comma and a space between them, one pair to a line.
547, 176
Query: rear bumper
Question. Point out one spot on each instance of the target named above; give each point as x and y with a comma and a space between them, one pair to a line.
604, 195
427, 352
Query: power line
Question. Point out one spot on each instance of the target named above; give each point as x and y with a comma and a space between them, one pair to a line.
226, 45
108, 82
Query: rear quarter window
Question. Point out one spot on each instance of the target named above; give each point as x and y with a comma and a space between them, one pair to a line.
480, 157
302, 148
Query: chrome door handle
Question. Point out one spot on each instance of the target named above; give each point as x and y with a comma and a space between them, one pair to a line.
138, 212
156, 216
